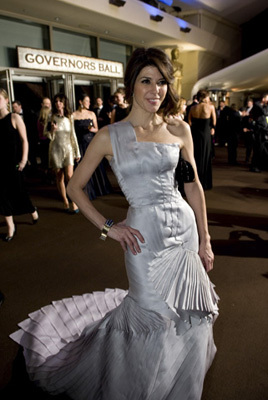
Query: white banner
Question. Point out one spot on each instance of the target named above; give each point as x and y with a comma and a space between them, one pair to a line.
62, 62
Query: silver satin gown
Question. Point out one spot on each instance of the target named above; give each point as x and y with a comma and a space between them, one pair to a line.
154, 341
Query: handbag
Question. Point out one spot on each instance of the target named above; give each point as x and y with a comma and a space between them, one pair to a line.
184, 173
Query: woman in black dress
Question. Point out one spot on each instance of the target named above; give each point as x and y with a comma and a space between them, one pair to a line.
202, 119
86, 125
121, 109
14, 199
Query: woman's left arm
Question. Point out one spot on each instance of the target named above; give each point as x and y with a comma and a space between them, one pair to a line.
18, 124
196, 199
213, 119
95, 127
74, 141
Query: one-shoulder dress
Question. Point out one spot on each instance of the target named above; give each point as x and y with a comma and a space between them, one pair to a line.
153, 341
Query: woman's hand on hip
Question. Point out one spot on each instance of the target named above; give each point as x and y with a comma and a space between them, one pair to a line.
127, 236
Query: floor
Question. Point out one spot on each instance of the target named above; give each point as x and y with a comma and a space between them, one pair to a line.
62, 256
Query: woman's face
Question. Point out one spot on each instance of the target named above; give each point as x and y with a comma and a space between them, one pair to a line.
85, 103
119, 98
3, 102
46, 103
150, 89
59, 104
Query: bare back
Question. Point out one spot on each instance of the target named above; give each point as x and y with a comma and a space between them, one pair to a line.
203, 111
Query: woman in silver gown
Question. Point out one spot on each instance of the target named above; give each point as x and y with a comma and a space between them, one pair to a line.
155, 340
63, 146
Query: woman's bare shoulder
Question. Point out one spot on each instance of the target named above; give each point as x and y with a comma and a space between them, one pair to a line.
103, 136
177, 126
16, 119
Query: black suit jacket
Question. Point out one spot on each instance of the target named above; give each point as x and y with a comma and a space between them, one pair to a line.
102, 116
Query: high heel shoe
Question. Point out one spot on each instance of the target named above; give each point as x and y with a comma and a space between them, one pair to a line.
9, 238
35, 220
73, 212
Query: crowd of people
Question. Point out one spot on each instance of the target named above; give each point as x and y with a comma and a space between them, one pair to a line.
50, 145
227, 126
57, 139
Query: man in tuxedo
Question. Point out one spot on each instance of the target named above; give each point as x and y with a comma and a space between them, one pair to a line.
223, 123
258, 118
30, 121
101, 113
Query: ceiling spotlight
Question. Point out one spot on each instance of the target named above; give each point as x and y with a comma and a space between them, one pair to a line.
117, 3
186, 29
156, 18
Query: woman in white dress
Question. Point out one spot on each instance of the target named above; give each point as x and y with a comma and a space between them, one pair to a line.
63, 146
155, 340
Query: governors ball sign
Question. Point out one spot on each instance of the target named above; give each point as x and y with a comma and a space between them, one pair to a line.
62, 62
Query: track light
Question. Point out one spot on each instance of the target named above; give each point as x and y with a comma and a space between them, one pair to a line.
117, 3
186, 29
156, 18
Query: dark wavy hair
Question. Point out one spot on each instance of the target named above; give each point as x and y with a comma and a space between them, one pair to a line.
65, 101
152, 56
202, 94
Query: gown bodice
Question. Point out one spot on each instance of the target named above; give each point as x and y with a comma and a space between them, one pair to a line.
82, 127
146, 174
145, 170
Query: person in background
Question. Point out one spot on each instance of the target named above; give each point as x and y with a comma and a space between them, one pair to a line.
202, 120
120, 110
194, 102
155, 340
222, 127
182, 105
101, 112
14, 199
63, 147
86, 126
246, 133
234, 130
258, 118
30, 121
250, 104
44, 116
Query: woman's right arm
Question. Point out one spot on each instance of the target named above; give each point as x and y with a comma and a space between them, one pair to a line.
99, 148
18, 124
